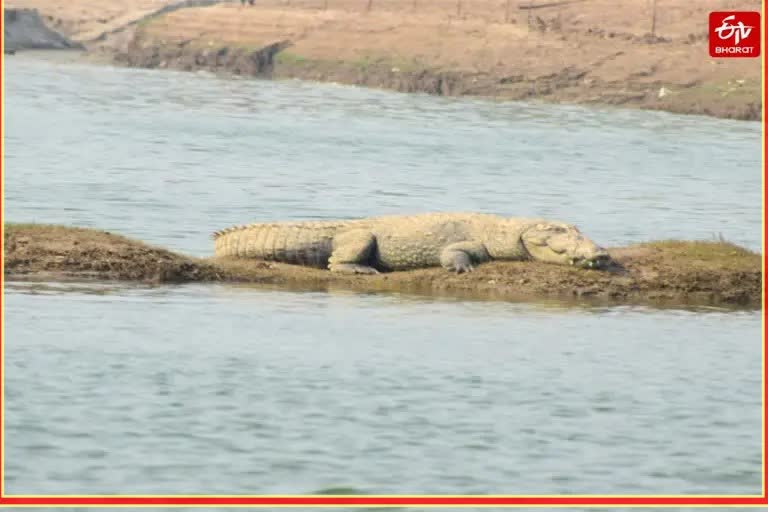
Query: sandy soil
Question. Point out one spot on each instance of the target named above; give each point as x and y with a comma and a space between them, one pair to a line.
592, 51
659, 273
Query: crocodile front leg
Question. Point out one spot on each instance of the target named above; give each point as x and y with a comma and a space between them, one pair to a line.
461, 256
352, 252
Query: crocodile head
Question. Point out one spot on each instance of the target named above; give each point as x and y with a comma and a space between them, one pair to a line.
554, 242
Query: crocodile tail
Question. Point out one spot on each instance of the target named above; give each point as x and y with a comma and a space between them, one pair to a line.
232, 229
299, 243
238, 241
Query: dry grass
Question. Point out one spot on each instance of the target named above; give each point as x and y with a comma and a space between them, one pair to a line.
597, 55
595, 51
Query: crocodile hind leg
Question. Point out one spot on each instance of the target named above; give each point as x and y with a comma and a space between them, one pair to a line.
461, 256
352, 252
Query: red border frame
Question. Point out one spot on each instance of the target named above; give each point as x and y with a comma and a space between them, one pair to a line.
385, 500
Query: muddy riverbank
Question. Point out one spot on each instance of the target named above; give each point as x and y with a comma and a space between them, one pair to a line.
599, 52
674, 272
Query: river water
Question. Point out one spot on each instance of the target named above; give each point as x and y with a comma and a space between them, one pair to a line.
235, 389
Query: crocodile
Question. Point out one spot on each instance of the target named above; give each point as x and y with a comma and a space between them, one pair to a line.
455, 241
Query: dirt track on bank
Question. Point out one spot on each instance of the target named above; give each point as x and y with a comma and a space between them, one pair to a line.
590, 52
689, 273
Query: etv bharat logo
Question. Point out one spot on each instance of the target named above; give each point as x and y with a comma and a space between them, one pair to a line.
734, 34
727, 31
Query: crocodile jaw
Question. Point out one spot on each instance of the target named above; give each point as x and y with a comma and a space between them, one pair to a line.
598, 261
564, 244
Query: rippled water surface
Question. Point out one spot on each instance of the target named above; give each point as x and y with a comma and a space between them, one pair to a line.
171, 157
225, 389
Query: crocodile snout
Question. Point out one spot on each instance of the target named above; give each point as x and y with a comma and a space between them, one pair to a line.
597, 261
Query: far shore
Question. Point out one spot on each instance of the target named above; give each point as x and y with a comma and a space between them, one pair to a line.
663, 273
599, 52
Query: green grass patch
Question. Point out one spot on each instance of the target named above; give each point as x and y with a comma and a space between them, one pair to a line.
149, 20
33, 227
715, 252
733, 89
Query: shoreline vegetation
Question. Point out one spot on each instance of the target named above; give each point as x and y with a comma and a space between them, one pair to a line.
596, 52
662, 273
